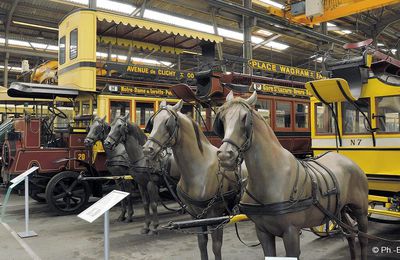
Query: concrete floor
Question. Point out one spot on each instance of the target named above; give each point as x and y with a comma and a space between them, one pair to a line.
68, 237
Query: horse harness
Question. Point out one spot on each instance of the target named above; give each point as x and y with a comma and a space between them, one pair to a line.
293, 204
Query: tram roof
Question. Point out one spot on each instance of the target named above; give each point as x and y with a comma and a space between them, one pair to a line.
41, 91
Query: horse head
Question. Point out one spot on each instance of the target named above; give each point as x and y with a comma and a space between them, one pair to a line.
97, 131
234, 124
163, 127
118, 132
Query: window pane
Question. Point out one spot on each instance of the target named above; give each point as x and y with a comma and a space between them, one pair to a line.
73, 44
187, 110
388, 114
353, 120
264, 108
61, 53
325, 122
301, 115
283, 119
118, 108
143, 112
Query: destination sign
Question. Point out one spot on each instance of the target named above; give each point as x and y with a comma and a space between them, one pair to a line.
279, 68
146, 91
138, 70
267, 88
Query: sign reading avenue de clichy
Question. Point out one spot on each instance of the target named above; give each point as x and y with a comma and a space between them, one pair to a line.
279, 68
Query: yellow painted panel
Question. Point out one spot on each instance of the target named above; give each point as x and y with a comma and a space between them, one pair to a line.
328, 89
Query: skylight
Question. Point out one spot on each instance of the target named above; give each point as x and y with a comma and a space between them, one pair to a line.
16, 69
380, 44
26, 44
264, 32
273, 3
82, 2
277, 45
115, 6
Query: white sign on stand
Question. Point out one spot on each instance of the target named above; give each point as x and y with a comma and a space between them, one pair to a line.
102, 207
15, 182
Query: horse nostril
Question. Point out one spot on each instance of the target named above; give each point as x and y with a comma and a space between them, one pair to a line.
224, 155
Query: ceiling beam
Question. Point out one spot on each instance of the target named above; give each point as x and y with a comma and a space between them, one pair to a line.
238, 9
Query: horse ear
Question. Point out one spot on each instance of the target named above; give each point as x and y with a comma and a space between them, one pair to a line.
126, 116
230, 96
218, 126
178, 106
252, 100
163, 103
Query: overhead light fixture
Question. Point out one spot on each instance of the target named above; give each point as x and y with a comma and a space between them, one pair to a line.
35, 25
273, 3
264, 32
343, 32
380, 44
115, 6
277, 45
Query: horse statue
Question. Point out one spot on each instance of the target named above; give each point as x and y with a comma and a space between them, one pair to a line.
201, 188
284, 194
145, 175
117, 163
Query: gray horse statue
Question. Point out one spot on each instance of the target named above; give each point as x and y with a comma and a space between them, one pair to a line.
117, 163
202, 188
284, 194
146, 176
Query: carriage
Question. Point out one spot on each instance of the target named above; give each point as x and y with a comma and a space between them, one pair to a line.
356, 113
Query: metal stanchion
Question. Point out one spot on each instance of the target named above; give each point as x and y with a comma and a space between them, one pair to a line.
107, 235
27, 232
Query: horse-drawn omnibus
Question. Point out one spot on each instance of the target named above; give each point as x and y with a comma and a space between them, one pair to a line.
356, 113
98, 73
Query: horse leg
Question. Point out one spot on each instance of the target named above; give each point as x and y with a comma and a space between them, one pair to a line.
123, 202
350, 239
291, 240
153, 194
129, 201
361, 215
145, 199
202, 240
217, 238
267, 241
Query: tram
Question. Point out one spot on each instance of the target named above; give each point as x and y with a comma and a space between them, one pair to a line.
356, 113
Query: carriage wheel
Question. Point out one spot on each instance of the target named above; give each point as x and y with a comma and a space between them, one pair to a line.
322, 232
66, 195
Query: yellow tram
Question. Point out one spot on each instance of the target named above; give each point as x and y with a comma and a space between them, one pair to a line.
357, 113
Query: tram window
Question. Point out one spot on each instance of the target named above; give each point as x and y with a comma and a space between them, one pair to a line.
264, 108
282, 114
353, 120
143, 112
119, 108
61, 54
73, 44
325, 123
301, 116
388, 116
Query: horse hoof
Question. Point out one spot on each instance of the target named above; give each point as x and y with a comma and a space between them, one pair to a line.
144, 231
153, 232
121, 218
128, 220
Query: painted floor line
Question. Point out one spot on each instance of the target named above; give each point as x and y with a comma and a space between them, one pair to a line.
27, 248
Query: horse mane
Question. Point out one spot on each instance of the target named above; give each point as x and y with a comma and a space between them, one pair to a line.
107, 126
240, 101
197, 133
137, 132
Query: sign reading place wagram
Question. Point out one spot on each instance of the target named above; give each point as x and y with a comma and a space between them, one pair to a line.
279, 68
267, 88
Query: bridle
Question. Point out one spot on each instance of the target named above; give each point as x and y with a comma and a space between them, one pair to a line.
102, 125
241, 149
122, 137
173, 133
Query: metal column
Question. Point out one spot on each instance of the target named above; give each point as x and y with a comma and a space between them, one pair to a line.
247, 48
219, 45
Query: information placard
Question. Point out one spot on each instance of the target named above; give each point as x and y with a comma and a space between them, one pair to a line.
101, 206
22, 176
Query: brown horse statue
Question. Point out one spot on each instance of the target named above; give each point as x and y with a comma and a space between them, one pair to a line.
117, 163
284, 194
133, 138
201, 188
